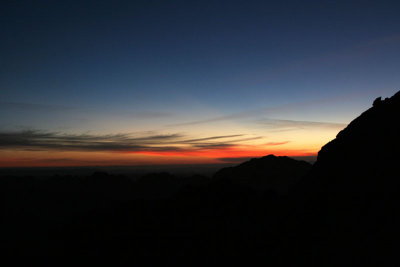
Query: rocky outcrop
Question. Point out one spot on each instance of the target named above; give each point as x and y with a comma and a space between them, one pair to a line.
364, 157
348, 204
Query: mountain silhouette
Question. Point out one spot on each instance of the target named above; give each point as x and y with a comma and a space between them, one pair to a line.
266, 173
347, 207
364, 157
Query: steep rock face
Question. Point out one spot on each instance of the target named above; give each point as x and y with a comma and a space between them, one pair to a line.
349, 202
364, 157
266, 173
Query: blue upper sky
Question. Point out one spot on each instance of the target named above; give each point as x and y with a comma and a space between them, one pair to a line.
103, 66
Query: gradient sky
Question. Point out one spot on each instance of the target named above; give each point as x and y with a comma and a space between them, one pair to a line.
165, 82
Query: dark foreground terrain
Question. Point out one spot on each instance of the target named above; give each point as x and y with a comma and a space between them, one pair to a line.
276, 211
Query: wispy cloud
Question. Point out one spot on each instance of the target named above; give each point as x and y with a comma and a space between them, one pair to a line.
212, 138
276, 143
268, 111
272, 111
40, 140
288, 125
219, 118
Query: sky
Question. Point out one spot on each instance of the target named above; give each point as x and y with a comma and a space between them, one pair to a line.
91, 83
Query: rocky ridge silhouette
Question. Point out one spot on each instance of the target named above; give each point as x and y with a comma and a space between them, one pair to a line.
346, 208
364, 157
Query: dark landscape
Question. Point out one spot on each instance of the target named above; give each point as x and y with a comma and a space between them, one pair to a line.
270, 211
199, 133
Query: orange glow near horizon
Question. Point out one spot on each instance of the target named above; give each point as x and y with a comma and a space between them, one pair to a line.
226, 153
132, 158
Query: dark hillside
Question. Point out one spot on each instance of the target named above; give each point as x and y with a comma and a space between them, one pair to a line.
266, 173
365, 155
347, 208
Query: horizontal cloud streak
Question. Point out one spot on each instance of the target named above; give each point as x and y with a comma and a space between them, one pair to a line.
268, 111
220, 118
38, 140
286, 125
213, 138
276, 143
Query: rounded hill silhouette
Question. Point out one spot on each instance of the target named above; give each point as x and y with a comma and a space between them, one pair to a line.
266, 173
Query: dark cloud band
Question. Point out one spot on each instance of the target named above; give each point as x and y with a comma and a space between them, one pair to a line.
40, 140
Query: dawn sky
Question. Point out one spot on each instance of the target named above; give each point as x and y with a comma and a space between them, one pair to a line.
165, 82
